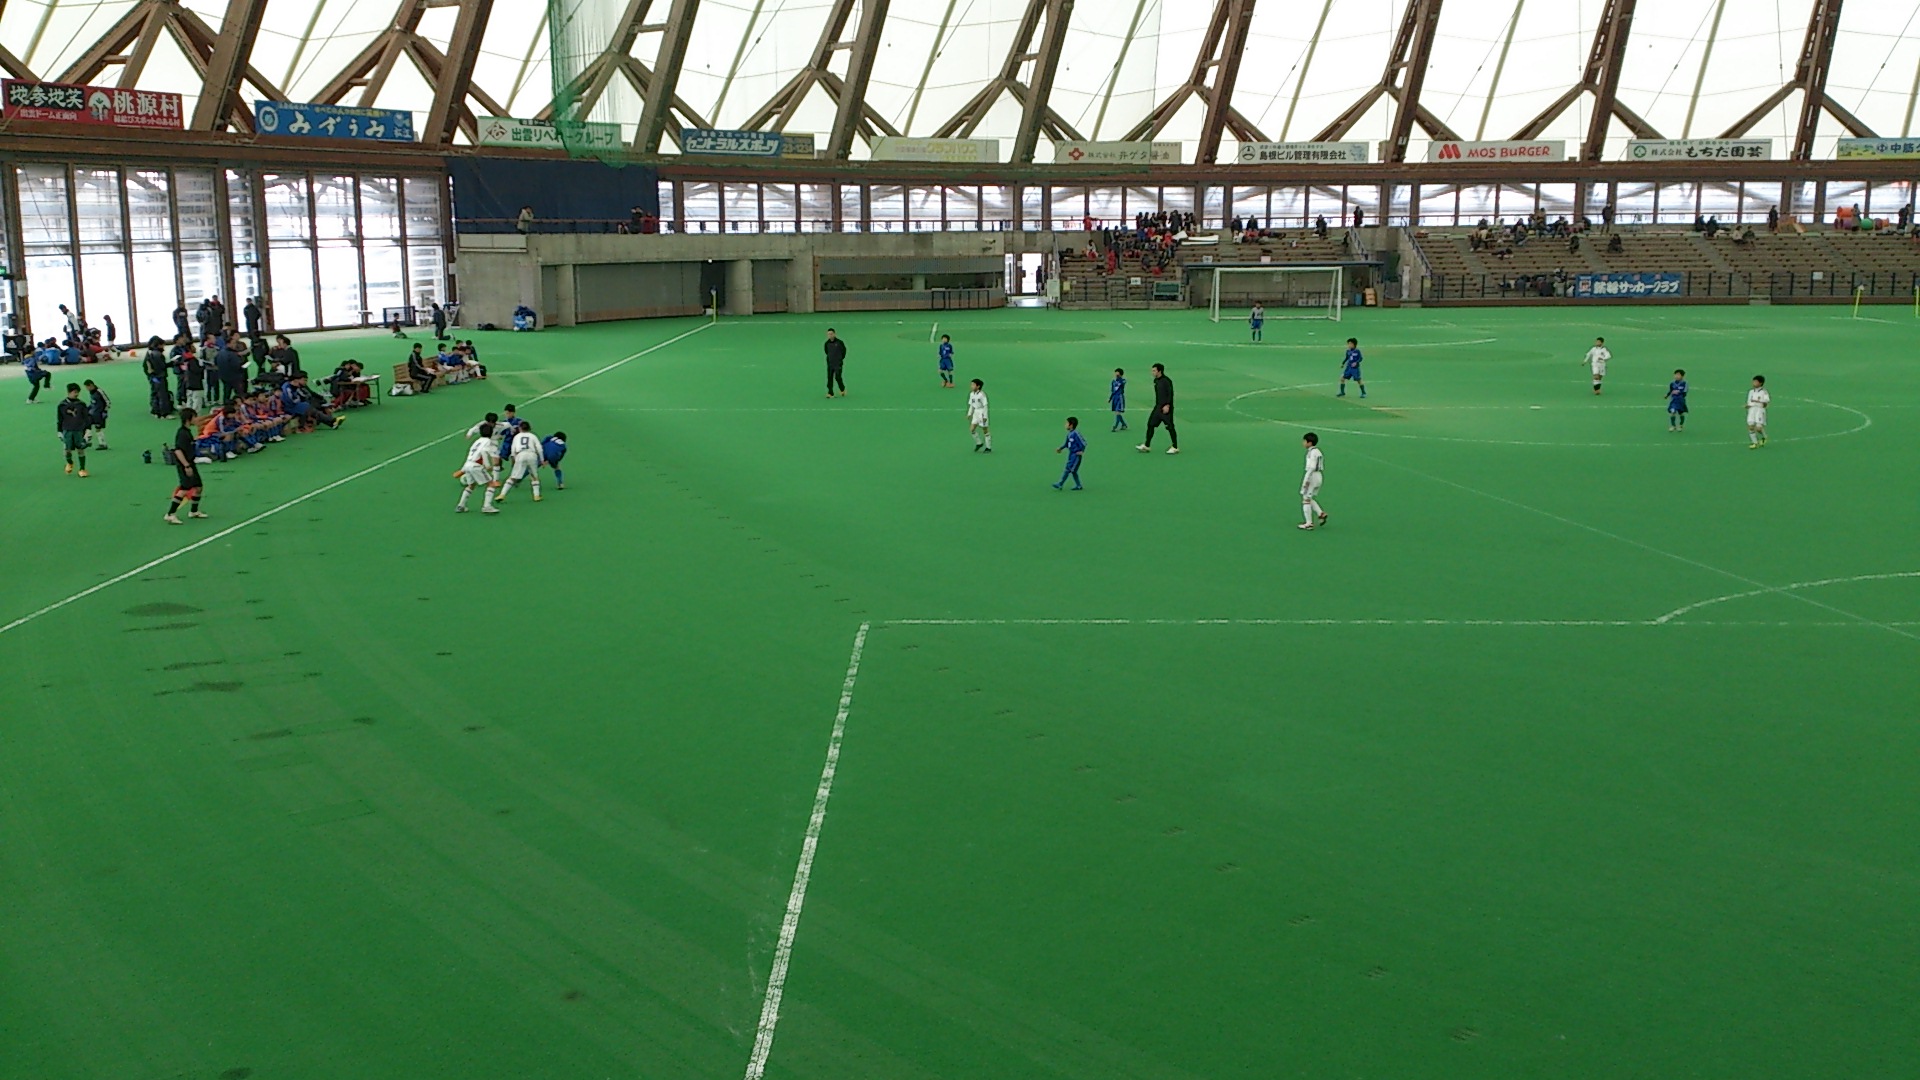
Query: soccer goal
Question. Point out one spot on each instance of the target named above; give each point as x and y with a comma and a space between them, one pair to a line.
1287, 292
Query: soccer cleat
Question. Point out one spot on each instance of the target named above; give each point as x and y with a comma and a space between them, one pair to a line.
1304, 527
196, 514
83, 472
459, 509
69, 468
1057, 487
1144, 448
976, 448
1173, 449
1753, 446
1323, 518
171, 520
489, 510
536, 497
560, 487
205, 460
1342, 393
986, 449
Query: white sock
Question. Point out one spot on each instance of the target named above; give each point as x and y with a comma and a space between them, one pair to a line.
988, 439
1315, 508
486, 500
464, 492
536, 487
1306, 510
976, 438
1753, 436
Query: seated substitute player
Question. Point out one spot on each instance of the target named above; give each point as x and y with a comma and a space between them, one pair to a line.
1757, 401
1677, 402
481, 470
552, 449
1074, 447
524, 451
1310, 483
946, 361
977, 418
1117, 399
1350, 369
1596, 359
1256, 319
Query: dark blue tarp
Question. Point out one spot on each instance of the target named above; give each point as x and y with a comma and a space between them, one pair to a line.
566, 196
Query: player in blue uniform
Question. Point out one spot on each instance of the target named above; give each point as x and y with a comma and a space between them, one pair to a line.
1117, 399
946, 361
552, 449
1075, 446
1257, 319
1351, 369
1677, 402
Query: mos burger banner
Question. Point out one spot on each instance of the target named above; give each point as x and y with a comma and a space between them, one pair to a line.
1537, 150
66, 103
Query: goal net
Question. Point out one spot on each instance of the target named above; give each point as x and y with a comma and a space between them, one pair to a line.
1287, 292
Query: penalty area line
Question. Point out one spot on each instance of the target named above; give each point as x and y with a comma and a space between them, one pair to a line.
319, 491
809, 845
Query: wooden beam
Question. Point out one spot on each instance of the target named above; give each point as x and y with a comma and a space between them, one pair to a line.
456, 77
232, 51
1816, 56
157, 20
111, 44
1033, 111
1609, 50
866, 45
666, 75
1413, 76
1237, 17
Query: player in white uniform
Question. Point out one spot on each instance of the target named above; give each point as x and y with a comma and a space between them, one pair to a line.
977, 418
482, 469
1757, 401
1597, 358
1310, 483
524, 451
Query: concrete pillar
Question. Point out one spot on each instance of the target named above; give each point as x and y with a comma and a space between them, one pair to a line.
569, 299
800, 284
740, 287
919, 283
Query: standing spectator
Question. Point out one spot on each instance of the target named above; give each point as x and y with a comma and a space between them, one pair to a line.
112, 335
836, 351
1606, 217
187, 473
180, 328
439, 323
1905, 217
231, 371
203, 317
1162, 412
1320, 226
97, 406
1359, 217
525, 221
71, 422
252, 314
1773, 219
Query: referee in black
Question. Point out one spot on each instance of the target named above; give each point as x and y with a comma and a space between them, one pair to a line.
1162, 412
836, 359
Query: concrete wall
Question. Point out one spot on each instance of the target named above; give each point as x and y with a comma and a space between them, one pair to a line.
496, 273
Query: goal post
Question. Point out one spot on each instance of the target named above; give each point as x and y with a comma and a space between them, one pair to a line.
1286, 292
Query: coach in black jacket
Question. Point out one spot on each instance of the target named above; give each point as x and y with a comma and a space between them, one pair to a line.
1162, 412
836, 359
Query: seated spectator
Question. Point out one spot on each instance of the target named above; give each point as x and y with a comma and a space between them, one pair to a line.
306, 406
1746, 237
1320, 226
347, 390
1573, 242
1614, 245
286, 358
452, 366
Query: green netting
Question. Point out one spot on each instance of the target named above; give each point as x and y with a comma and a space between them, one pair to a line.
587, 92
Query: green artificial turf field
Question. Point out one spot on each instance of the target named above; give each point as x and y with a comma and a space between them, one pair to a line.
1571, 748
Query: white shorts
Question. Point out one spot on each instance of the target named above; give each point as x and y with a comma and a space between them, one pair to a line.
977, 421
474, 476
1310, 486
1599, 370
1756, 418
524, 465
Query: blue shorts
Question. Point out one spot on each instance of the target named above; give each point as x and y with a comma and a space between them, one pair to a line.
946, 365
1677, 405
1351, 373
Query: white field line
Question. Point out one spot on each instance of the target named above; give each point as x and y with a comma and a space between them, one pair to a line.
1637, 623
809, 845
319, 491
1382, 348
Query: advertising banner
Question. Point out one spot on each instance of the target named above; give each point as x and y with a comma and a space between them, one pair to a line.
1115, 153
332, 122
65, 103
948, 151
1627, 286
1536, 150
767, 144
1699, 149
1881, 149
796, 146
1294, 153
507, 131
